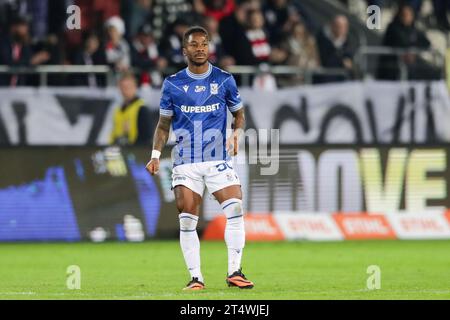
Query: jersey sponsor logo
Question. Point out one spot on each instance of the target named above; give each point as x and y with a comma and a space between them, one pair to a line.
200, 109
185, 88
214, 87
200, 88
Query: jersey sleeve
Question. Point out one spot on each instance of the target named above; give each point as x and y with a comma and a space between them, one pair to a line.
166, 105
233, 97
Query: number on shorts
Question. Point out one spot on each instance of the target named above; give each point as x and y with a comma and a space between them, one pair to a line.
223, 166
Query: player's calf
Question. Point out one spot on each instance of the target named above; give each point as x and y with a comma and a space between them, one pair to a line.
190, 245
234, 233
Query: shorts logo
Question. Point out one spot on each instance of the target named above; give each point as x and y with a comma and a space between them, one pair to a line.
214, 88
230, 177
200, 88
180, 178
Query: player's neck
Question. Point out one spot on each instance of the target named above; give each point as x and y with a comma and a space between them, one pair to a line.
198, 69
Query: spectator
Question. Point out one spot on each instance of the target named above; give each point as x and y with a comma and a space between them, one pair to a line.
91, 54
39, 13
301, 49
51, 49
136, 13
257, 36
217, 9
402, 33
94, 13
15, 51
264, 80
9, 10
441, 10
335, 47
132, 121
165, 13
145, 56
117, 49
280, 15
216, 51
171, 45
232, 31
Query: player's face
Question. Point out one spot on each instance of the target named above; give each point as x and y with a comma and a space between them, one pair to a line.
197, 49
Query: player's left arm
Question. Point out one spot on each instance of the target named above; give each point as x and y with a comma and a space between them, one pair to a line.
238, 129
236, 108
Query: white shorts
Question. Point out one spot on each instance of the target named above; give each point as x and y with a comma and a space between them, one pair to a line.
216, 175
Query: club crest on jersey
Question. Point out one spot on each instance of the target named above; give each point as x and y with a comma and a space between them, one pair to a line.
200, 88
185, 88
214, 88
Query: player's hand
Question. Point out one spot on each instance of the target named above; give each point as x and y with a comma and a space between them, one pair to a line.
153, 166
232, 144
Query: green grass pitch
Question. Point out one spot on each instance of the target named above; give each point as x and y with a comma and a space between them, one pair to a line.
281, 270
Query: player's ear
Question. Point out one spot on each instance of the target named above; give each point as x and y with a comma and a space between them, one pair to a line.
184, 51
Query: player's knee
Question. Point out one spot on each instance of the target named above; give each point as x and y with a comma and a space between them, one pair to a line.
238, 207
179, 206
233, 211
188, 222
183, 206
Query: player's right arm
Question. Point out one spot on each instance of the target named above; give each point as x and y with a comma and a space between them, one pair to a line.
162, 129
159, 141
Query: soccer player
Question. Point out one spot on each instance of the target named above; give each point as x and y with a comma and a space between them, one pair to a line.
195, 102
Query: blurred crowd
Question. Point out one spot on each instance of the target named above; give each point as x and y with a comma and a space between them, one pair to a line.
145, 35
441, 9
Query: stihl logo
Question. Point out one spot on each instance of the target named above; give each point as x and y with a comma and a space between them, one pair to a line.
305, 225
356, 226
259, 226
421, 224
363, 226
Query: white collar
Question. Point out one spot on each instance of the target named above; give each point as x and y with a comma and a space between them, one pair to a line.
200, 76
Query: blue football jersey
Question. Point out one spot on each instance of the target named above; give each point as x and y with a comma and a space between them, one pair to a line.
198, 105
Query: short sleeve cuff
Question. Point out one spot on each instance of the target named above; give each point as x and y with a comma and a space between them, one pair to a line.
236, 107
167, 113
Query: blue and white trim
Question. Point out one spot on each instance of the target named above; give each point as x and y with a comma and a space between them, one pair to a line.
236, 107
229, 204
188, 222
188, 216
200, 76
234, 217
167, 113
